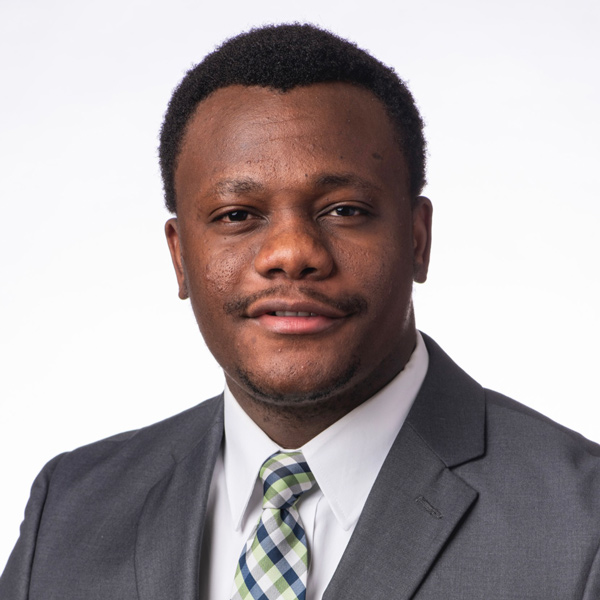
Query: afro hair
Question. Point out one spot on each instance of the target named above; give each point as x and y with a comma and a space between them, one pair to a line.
282, 57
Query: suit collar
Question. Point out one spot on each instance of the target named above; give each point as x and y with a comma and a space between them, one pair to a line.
171, 523
449, 412
417, 501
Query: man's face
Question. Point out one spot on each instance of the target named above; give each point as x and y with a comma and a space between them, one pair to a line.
296, 242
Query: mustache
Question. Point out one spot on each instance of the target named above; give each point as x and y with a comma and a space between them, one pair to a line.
349, 303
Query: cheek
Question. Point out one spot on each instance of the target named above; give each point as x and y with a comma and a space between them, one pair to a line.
219, 274
380, 269
213, 278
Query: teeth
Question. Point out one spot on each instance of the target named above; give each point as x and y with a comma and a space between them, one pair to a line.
289, 313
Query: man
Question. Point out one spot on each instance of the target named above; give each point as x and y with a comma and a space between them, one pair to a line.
293, 162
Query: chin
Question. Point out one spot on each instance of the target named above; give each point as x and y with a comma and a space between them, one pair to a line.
297, 389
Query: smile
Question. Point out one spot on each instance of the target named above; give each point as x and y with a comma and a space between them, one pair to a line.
285, 316
290, 322
291, 313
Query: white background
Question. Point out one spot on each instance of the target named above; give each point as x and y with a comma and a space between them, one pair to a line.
93, 339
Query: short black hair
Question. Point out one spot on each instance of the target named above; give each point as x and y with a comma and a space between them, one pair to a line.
283, 57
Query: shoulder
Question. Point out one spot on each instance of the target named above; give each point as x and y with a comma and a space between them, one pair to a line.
509, 411
529, 440
141, 454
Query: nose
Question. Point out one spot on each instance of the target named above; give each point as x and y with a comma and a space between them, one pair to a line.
293, 250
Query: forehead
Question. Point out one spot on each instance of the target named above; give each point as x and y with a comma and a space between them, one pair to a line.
238, 129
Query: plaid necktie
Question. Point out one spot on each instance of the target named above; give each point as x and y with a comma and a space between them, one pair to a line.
274, 562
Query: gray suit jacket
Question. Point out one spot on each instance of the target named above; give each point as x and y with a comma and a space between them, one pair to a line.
479, 498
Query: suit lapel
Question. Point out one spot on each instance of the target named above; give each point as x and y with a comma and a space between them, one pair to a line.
172, 520
413, 508
417, 501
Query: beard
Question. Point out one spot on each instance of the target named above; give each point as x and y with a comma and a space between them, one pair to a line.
313, 402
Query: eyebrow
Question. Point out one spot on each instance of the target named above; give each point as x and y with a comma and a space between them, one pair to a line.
333, 180
237, 187
322, 181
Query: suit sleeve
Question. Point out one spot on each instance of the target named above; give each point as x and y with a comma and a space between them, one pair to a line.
14, 582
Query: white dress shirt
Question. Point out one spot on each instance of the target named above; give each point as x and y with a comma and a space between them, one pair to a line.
345, 460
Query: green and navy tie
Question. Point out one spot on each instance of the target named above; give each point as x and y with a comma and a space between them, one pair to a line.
274, 562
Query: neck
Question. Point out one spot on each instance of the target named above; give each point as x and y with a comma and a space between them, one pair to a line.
292, 424
292, 427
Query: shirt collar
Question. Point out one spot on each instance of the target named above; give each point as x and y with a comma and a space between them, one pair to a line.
247, 446
345, 458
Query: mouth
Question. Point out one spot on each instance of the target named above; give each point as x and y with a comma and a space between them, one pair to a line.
296, 323
290, 317
291, 313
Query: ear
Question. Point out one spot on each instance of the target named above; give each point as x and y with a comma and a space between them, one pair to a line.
422, 213
173, 239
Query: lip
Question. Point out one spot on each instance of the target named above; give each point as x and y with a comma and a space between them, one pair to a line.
314, 317
273, 305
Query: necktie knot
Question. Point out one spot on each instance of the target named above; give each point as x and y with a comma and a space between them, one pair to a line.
285, 476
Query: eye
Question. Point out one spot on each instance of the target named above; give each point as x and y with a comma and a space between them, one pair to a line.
231, 220
347, 211
235, 216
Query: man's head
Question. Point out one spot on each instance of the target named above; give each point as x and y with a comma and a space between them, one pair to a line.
285, 57
297, 239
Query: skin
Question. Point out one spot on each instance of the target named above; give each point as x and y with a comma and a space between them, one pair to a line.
299, 202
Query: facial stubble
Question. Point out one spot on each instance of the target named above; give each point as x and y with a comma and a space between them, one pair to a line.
313, 403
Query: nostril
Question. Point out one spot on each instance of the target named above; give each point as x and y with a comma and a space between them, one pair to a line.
293, 253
